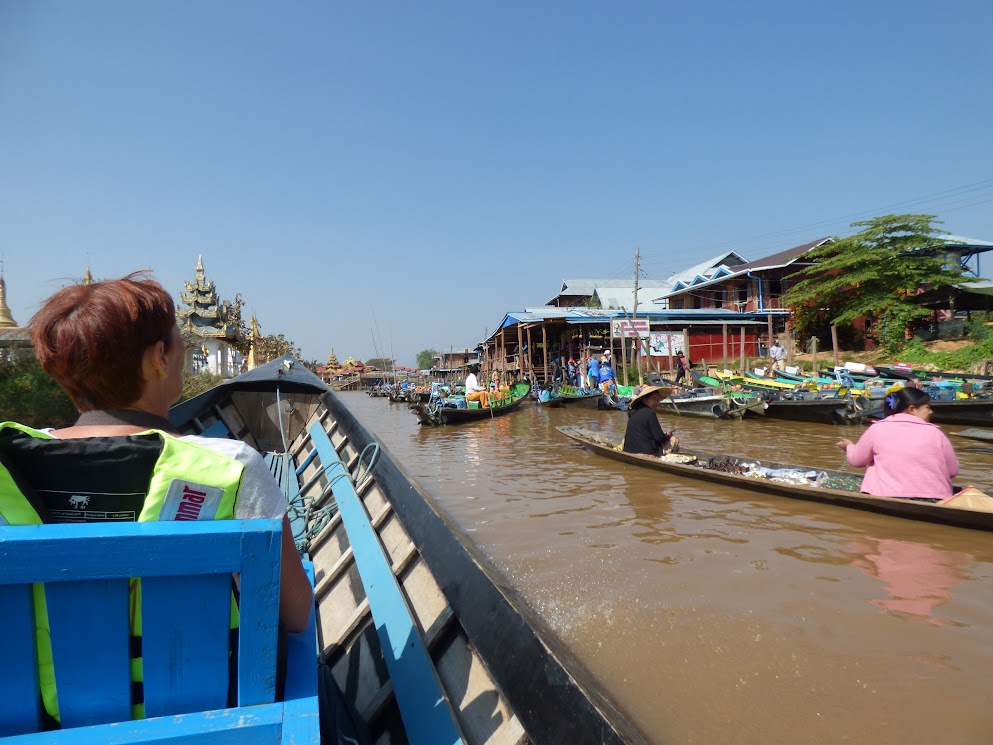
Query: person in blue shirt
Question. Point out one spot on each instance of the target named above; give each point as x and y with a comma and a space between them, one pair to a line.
593, 371
606, 376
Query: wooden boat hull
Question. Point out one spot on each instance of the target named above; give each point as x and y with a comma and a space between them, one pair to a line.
984, 435
435, 414
969, 412
914, 510
504, 676
822, 410
705, 407
558, 401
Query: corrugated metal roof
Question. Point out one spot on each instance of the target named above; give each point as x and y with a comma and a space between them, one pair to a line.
687, 316
775, 261
958, 240
15, 336
706, 268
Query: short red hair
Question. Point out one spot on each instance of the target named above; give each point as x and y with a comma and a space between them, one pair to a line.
92, 338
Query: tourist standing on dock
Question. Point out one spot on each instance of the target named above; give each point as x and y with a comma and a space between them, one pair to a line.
606, 376
778, 355
906, 455
644, 434
593, 371
473, 390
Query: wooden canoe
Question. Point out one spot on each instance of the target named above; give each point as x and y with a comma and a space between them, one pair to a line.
455, 411
723, 469
426, 641
560, 398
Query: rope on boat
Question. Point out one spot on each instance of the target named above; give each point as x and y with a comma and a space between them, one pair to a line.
315, 520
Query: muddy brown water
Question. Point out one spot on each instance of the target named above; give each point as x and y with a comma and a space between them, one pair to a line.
715, 615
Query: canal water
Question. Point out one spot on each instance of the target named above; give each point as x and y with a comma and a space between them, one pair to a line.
716, 615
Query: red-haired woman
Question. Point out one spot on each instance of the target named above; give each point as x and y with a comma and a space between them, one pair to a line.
115, 348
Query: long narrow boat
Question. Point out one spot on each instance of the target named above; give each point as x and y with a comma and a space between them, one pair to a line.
985, 435
818, 485
424, 638
710, 405
826, 407
569, 396
456, 410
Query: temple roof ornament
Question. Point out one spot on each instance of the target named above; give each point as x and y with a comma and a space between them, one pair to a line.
333, 362
87, 277
252, 364
202, 314
6, 317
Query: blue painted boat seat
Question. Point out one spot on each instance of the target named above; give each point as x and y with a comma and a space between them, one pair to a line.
186, 570
217, 429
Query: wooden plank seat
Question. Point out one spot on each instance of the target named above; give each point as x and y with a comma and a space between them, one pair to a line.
186, 571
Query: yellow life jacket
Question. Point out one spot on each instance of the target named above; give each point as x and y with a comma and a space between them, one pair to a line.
187, 482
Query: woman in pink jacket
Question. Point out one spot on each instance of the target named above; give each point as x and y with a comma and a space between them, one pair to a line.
906, 455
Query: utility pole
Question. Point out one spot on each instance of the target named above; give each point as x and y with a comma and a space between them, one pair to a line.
637, 258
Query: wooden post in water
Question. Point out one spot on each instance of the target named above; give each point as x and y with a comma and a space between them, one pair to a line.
520, 353
768, 344
544, 350
742, 350
724, 357
789, 343
671, 362
834, 343
624, 356
530, 349
813, 362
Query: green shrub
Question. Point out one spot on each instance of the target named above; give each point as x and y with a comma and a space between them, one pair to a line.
976, 328
196, 383
29, 396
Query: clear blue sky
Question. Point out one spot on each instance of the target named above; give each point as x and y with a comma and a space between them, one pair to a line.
437, 164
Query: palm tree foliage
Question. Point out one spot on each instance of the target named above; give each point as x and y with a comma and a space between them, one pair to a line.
876, 273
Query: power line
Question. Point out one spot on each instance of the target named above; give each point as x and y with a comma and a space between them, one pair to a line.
916, 201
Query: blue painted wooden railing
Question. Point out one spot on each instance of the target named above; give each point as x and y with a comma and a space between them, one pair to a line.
186, 574
424, 706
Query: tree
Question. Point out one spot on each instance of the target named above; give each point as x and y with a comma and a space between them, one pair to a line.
230, 312
270, 347
425, 359
876, 274
383, 363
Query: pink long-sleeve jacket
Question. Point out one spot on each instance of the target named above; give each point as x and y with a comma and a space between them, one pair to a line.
907, 457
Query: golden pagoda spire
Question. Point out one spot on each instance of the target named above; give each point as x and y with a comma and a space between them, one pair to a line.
6, 317
87, 277
200, 272
251, 348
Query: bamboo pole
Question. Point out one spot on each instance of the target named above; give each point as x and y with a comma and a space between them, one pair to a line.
671, 361
834, 344
544, 350
769, 344
724, 357
520, 353
813, 362
742, 350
